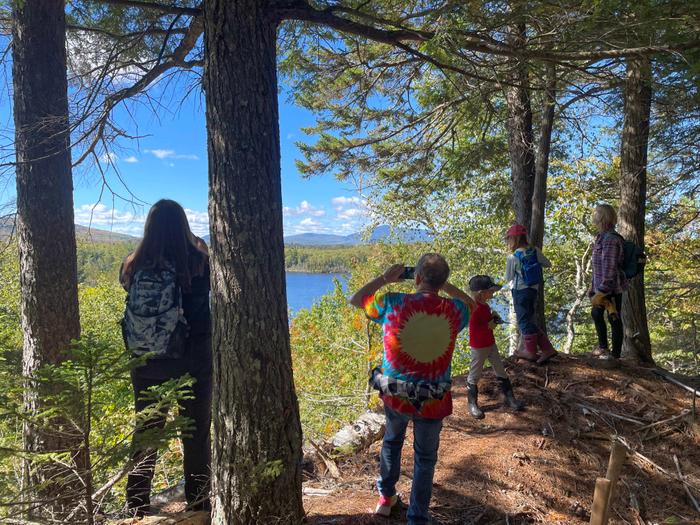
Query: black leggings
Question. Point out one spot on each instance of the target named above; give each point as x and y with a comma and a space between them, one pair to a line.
196, 444
598, 314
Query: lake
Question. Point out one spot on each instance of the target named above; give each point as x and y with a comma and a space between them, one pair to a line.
304, 289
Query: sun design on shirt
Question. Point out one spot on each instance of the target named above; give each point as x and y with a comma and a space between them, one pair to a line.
419, 338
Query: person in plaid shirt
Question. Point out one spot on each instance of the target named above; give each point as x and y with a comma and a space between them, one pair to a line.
609, 281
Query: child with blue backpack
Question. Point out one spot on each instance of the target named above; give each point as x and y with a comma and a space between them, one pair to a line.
524, 273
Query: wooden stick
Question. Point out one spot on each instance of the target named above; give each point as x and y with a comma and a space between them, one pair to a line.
618, 455
655, 465
600, 501
675, 381
611, 414
685, 486
683, 414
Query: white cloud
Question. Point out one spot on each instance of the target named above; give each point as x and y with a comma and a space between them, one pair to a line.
170, 154
131, 159
199, 221
309, 222
307, 225
161, 153
351, 213
101, 217
304, 209
341, 202
131, 222
350, 209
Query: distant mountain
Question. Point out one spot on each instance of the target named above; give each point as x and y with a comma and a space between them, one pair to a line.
322, 239
96, 235
379, 234
82, 233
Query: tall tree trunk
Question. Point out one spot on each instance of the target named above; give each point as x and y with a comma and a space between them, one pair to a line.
257, 433
539, 194
633, 192
520, 137
45, 225
520, 143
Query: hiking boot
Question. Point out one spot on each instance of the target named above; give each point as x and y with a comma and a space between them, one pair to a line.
599, 352
548, 350
385, 504
508, 396
529, 350
472, 399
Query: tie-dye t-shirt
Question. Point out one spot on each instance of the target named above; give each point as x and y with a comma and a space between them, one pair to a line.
419, 337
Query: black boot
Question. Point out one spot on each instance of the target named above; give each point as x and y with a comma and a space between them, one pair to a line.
509, 398
472, 398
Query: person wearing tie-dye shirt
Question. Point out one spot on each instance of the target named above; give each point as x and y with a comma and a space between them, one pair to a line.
419, 332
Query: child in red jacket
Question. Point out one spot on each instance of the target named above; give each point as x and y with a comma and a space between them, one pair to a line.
483, 345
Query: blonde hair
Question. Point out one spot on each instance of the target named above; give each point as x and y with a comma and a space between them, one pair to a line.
604, 216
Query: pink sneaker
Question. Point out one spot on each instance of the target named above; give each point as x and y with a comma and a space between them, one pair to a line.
386, 503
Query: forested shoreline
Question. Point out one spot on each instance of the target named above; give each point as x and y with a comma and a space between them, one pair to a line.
100, 260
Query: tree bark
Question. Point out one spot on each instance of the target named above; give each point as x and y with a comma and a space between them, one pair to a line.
520, 136
520, 144
539, 194
633, 189
257, 433
45, 224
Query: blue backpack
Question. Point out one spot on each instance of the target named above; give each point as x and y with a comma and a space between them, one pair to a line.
530, 267
153, 320
634, 257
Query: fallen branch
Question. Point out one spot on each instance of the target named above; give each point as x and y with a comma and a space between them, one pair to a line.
651, 463
671, 379
685, 486
683, 414
327, 460
611, 414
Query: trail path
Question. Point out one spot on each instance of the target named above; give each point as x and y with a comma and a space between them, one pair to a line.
539, 466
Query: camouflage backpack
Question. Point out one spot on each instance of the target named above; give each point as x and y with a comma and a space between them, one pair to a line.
153, 320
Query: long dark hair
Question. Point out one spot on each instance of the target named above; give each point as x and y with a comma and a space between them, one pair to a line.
167, 239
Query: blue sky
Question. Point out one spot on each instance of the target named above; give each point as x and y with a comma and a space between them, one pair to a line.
169, 160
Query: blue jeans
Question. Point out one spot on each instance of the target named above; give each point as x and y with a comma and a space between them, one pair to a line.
426, 439
524, 302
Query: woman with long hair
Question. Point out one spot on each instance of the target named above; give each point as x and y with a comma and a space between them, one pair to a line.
170, 249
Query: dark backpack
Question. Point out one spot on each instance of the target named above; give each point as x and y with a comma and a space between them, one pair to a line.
530, 267
634, 258
153, 320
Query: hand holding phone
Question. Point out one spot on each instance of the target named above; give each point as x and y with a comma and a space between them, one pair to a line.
409, 272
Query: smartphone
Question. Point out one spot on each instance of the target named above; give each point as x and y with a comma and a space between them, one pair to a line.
409, 272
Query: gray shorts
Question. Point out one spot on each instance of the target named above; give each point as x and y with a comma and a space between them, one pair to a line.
479, 357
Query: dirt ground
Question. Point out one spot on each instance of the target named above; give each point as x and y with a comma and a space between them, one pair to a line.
540, 466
